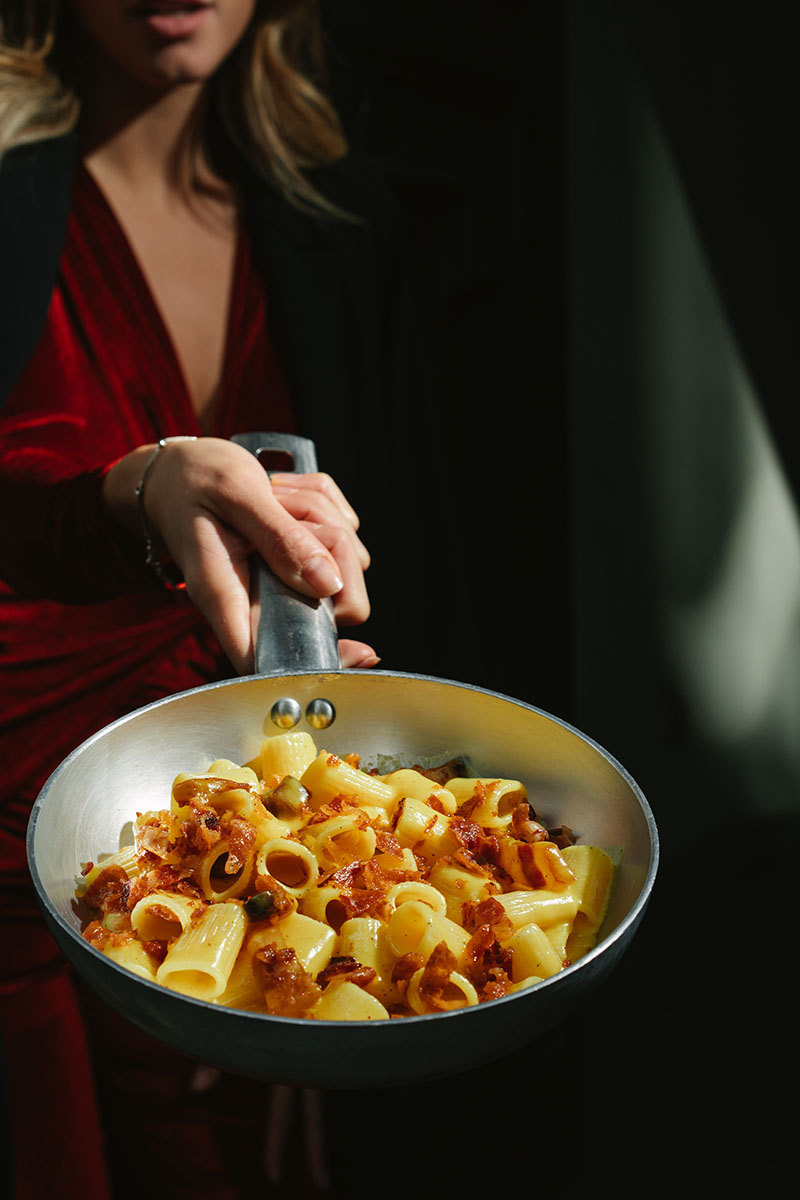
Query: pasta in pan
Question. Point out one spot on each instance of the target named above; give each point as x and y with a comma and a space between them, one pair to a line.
304, 886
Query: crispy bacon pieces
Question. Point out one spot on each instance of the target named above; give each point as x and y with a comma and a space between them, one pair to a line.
346, 967
436, 988
241, 840
406, 966
487, 963
489, 912
524, 827
480, 839
108, 892
289, 990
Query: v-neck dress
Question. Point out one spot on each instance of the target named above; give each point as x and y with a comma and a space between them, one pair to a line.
104, 379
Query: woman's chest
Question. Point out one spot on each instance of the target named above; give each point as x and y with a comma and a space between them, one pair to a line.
163, 332
188, 265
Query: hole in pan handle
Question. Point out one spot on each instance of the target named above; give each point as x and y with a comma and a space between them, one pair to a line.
294, 633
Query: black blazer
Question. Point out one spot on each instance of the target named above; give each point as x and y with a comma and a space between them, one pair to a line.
341, 314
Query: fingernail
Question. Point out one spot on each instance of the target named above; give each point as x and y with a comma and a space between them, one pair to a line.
322, 576
369, 660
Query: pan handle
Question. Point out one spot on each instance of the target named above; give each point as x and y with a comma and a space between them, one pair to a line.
294, 633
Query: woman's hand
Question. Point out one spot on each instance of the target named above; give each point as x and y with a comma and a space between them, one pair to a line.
210, 504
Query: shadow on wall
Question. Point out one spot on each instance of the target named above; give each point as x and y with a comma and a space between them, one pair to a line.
688, 652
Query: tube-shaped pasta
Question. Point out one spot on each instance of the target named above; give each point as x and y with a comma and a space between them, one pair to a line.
407, 782
286, 754
525, 983
241, 990
424, 829
558, 935
224, 768
532, 954
495, 799
132, 955
404, 862
241, 802
458, 993
163, 916
340, 840
594, 870
379, 818
594, 874
329, 776
324, 904
221, 768
200, 962
582, 938
268, 827
535, 864
540, 905
315, 856
127, 858
290, 863
346, 1001
416, 889
215, 883
364, 939
312, 941
217, 788
459, 886
414, 928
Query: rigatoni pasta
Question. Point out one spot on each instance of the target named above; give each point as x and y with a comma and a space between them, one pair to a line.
301, 885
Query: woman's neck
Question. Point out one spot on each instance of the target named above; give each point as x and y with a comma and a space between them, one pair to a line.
150, 140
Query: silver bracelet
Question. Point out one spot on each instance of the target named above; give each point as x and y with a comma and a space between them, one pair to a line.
164, 569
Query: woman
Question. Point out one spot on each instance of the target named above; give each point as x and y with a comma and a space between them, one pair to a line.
186, 253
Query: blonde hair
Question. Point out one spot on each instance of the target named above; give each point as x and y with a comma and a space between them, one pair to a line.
265, 96
34, 104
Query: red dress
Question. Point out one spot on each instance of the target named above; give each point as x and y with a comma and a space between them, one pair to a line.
86, 634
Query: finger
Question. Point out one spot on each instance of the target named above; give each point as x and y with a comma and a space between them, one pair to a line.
351, 603
320, 483
317, 509
289, 547
357, 654
218, 582
216, 485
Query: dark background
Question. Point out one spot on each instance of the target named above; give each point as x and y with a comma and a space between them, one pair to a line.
462, 111
548, 156
560, 165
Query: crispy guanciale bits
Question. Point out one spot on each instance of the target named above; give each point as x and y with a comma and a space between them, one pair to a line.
198, 822
331, 850
289, 990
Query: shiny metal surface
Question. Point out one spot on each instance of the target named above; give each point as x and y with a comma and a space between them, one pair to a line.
293, 633
320, 714
284, 714
391, 719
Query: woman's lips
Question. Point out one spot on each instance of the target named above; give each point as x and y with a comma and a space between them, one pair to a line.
170, 19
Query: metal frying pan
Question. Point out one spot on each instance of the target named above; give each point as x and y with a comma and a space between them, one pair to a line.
391, 719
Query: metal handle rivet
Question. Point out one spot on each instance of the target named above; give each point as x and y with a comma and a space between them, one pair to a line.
285, 713
320, 713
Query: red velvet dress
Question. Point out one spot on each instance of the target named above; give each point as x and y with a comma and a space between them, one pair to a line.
85, 633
